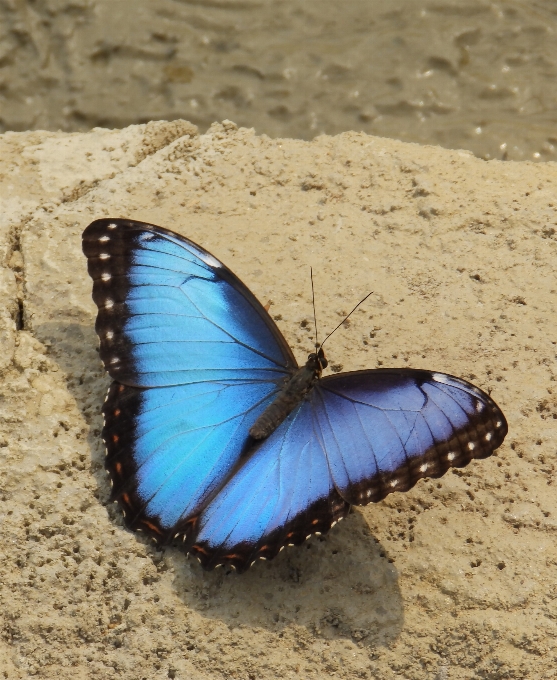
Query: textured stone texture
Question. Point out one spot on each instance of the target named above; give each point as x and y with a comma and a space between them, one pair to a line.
455, 579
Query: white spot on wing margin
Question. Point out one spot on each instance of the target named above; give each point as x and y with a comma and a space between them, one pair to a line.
209, 259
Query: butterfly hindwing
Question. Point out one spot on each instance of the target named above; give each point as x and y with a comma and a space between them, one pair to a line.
170, 449
383, 430
282, 494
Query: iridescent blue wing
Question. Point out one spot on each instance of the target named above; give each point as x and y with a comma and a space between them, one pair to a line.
383, 430
358, 437
283, 493
196, 359
170, 313
170, 449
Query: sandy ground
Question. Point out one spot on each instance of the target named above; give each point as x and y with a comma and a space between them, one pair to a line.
471, 74
454, 580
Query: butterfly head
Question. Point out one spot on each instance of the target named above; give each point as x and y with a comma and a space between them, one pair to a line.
317, 362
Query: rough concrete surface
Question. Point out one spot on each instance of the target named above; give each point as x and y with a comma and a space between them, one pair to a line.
453, 580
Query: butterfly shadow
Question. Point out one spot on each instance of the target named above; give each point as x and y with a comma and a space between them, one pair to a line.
340, 585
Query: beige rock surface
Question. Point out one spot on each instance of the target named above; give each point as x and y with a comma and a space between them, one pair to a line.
455, 579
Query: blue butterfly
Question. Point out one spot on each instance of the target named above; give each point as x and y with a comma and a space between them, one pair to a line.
213, 432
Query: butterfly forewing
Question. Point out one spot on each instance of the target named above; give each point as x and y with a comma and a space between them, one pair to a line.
358, 437
170, 313
383, 430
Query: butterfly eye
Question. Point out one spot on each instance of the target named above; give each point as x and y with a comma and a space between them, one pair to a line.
321, 358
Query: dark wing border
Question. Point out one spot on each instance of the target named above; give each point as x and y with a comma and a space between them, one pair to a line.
318, 519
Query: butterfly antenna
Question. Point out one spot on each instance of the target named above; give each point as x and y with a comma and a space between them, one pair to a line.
346, 317
313, 300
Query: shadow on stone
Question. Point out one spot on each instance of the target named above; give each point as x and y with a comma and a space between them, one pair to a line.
335, 586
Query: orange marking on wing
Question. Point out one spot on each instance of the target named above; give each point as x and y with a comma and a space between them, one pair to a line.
153, 527
290, 534
115, 438
117, 412
200, 549
126, 498
315, 521
118, 468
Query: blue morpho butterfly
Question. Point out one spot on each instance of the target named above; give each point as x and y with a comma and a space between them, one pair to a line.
215, 435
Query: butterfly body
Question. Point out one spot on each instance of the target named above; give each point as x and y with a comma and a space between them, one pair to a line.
296, 389
214, 434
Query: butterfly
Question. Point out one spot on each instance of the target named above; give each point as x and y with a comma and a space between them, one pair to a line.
215, 435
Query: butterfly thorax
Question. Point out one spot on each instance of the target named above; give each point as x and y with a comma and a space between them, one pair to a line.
295, 390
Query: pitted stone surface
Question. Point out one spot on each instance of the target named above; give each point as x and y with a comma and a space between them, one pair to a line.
454, 579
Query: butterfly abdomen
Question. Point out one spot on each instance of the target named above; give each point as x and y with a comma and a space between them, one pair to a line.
287, 399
